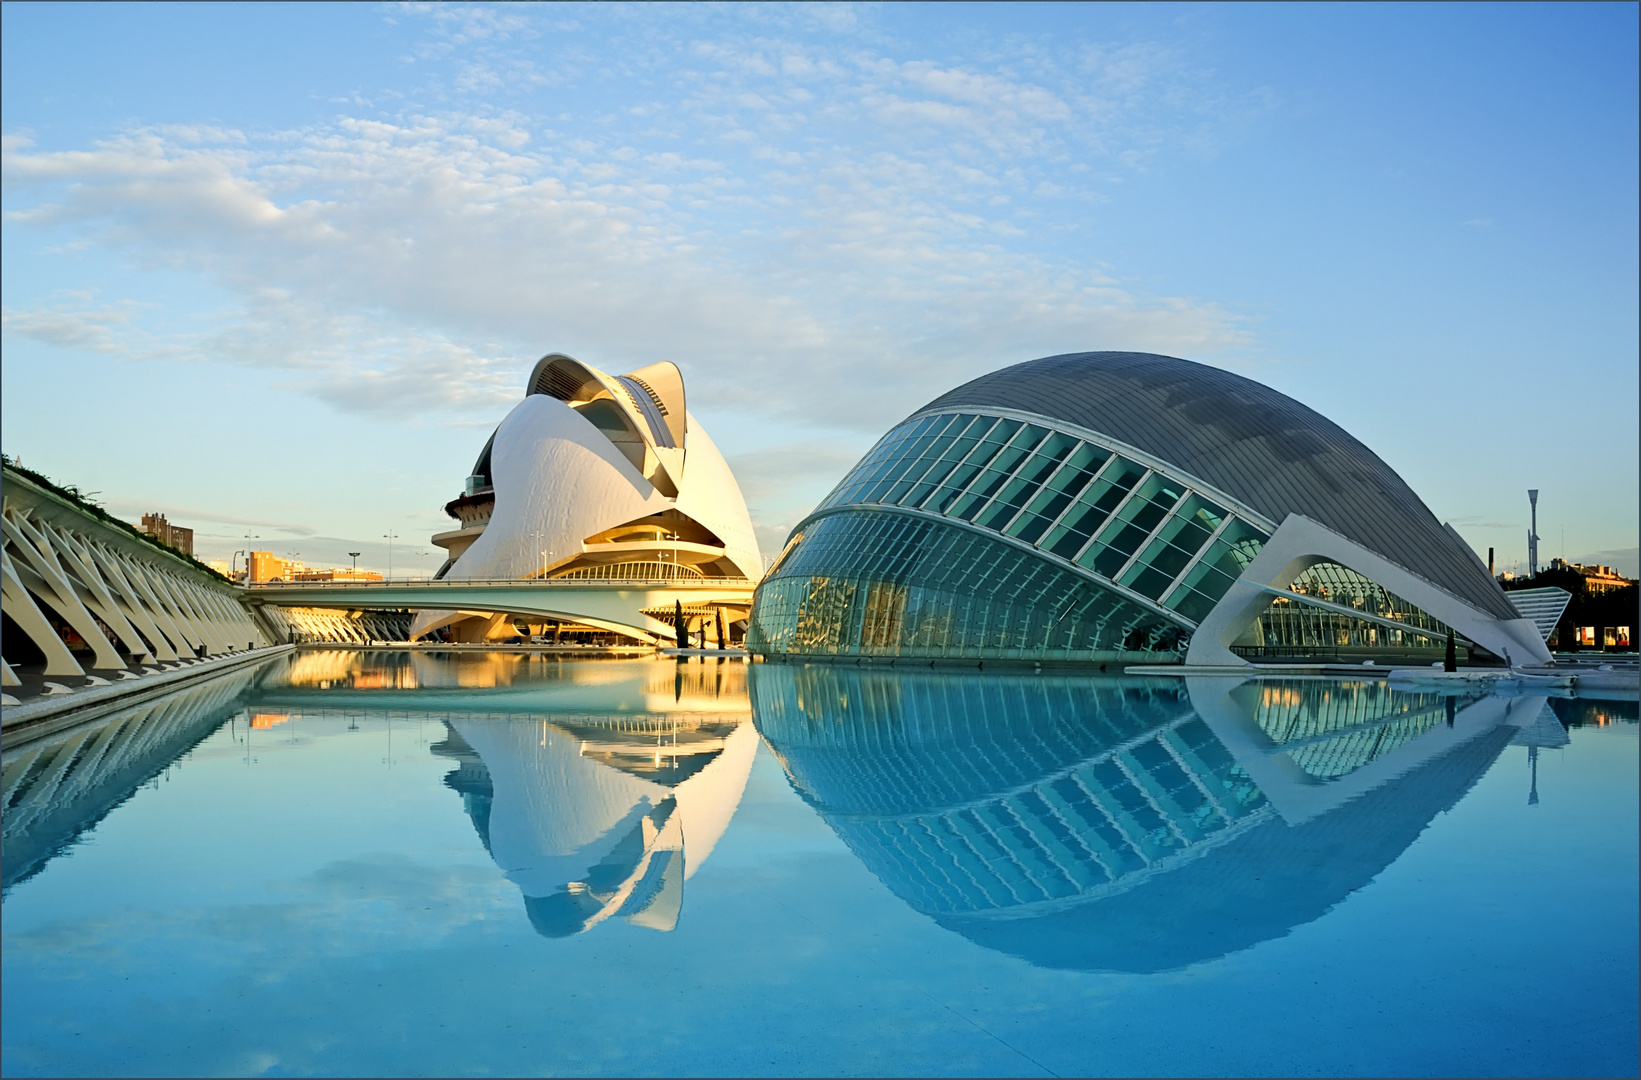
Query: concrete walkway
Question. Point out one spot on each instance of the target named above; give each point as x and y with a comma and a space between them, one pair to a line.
50, 711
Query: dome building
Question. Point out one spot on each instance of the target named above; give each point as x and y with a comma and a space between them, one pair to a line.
1128, 507
596, 477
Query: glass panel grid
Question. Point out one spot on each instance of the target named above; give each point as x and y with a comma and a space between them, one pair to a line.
1227, 556
1110, 487
882, 584
1174, 544
1026, 482
1111, 516
996, 473
1131, 524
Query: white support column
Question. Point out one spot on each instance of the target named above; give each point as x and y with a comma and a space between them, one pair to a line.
57, 590
100, 599
161, 584
194, 596
236, 619
138, 608
181, 595
228, 616
222, 618
142, 580
23, 611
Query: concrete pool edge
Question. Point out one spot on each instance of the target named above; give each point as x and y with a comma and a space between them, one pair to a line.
23, 723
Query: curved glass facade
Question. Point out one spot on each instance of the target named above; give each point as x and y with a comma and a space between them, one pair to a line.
870, 583
1294, 629
1110, 559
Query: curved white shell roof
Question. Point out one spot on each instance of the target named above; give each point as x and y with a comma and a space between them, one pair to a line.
558, 480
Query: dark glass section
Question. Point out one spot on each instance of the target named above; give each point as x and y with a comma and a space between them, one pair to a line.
1176, 543
1118, 541
1027, 479
1053, 497
875, 583
1226, 558
1107, 492
996, 473
948, 491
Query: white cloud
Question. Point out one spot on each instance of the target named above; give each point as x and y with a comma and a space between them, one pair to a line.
815, 230
96, 329
182, 515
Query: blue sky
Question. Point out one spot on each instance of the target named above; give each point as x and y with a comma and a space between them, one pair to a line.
278, 269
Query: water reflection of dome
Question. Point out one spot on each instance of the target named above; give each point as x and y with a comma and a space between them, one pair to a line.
593, 817
1105, 825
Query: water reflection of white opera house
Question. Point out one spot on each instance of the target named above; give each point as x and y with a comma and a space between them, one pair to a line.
600, 814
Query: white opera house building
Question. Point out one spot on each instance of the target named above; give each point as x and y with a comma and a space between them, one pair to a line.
607, 486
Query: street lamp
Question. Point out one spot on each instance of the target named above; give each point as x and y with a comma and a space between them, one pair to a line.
354, 555
247, 553
390, 536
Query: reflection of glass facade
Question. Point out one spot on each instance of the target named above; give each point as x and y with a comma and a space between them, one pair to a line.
980, 794
990, 536
1332, 729
1105, 824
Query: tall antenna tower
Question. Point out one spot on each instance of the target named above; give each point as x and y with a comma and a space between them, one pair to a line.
1532, 535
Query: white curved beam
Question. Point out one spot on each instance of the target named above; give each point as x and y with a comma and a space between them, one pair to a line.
1300, 543
21, 608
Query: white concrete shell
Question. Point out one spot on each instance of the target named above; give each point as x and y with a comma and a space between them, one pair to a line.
585, 453
559, 480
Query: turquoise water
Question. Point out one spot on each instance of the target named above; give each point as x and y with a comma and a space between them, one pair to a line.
370, 863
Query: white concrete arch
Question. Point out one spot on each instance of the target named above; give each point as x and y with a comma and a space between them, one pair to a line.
1300, 543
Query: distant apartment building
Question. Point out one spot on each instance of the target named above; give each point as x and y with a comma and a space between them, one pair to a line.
265, 566
1597, 579
343, 574
174, 536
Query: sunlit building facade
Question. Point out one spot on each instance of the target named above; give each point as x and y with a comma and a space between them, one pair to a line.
1127, 507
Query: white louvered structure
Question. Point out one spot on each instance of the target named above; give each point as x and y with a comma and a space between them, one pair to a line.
1542, 606
115, 591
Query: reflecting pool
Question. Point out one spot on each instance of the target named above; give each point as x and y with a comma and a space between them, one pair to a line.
411, 863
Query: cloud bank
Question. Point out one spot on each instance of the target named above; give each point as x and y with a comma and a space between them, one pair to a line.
816, 226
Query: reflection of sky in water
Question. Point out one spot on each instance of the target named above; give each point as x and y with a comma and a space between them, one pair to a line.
386, 862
